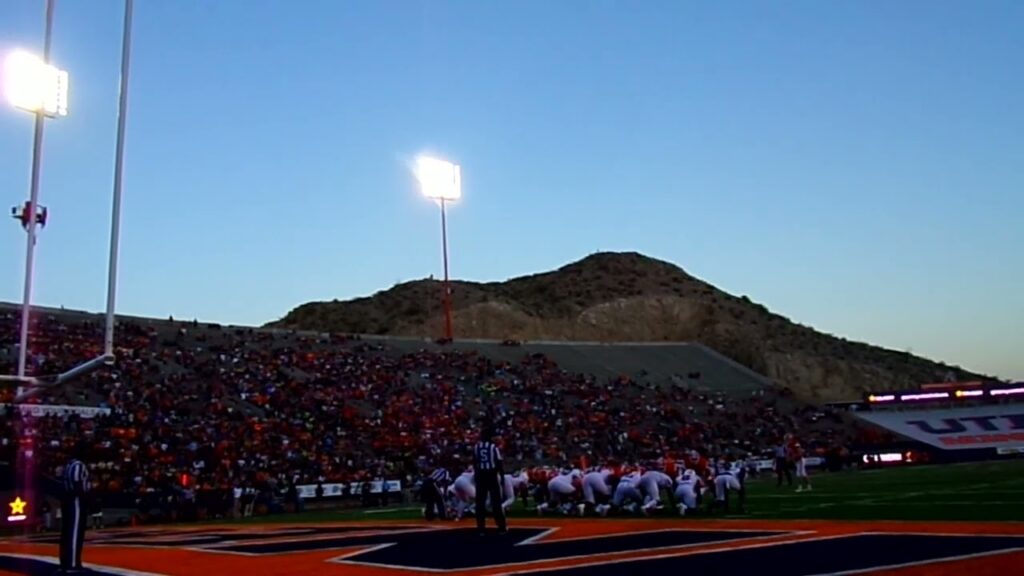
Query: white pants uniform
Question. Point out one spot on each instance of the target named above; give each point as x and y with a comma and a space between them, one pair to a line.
651, 484
687, 494
626, 492
464, 491
596, 484
508, 492
801, 468
560, 490
724, 483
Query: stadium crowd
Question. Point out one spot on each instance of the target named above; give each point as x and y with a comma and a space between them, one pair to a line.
203, 412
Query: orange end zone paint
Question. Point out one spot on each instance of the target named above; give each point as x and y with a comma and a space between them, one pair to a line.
155, 558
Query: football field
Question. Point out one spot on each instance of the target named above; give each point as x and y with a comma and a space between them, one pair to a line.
986, 491
934, 520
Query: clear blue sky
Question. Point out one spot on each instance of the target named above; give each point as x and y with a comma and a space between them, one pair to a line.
856, 166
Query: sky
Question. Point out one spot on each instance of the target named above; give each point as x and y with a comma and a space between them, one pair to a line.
855, 166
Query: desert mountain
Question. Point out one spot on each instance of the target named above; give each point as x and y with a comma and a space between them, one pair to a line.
619, 297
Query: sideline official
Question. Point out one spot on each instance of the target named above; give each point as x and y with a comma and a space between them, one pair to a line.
74, 512
432, 493
488, 471
782, 464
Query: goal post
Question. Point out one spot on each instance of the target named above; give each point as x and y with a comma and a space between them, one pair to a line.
29, 386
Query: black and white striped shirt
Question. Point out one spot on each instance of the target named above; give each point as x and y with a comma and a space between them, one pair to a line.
76, 478
486, 457
440, 477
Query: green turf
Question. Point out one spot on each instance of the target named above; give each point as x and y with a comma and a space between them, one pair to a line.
984, 491
989, 491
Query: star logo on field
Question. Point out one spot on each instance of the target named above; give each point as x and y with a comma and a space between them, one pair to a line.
18, 506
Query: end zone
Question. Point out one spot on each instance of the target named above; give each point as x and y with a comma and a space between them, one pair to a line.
552, 547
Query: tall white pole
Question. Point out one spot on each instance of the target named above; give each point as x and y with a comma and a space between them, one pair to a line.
115, 219
33, 203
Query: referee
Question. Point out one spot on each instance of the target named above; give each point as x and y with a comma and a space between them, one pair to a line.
431, 492
74, 512
487, 474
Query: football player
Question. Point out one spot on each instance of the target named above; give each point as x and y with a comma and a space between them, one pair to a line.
651, 484
688, 486
729, 476
511, 485
561, 492
463, 494
796, 455
626, 495
597, 488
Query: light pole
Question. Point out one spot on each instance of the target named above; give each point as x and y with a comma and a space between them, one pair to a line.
32, 84
441, 180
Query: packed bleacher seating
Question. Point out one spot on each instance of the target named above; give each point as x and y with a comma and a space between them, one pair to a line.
216, 410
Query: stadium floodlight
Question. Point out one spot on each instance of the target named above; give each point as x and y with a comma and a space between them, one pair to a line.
441, 180
35, 86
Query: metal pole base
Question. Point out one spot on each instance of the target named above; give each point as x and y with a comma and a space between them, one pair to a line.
38, 384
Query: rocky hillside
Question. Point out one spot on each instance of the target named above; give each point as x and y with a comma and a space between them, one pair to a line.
630, 297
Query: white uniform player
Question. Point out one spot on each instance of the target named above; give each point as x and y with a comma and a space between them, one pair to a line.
651, 484
560, 491
626, 494
800, 463
728, 476
510, 484
687, 487
463, 492
596, 485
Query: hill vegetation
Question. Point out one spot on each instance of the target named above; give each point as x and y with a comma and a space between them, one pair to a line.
628, 297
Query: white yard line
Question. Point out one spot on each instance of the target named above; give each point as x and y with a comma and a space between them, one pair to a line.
950, 503
387, 510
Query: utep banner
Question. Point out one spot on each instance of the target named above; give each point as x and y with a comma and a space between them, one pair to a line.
769, 464
334, 490
957, 428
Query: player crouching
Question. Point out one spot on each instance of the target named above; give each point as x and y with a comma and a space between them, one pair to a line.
688, 490
729, 477
652, 483
626, 495
561, 492
513, 484
462, 493
598, 486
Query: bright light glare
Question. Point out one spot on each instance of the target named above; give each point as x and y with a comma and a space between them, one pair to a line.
925, 396
885, 457
439, 179
35, 86
969, 393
